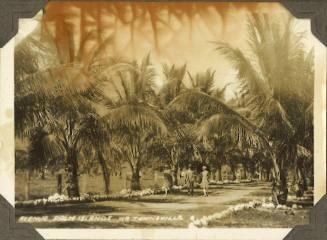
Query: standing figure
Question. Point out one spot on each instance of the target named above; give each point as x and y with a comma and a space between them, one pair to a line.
205, 181
189, 179
183, 177
168, 180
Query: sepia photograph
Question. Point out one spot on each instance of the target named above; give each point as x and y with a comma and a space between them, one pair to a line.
139, 115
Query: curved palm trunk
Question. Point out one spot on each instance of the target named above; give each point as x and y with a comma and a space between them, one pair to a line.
279, 190
279, 180
105, 172
72, 174
279, 183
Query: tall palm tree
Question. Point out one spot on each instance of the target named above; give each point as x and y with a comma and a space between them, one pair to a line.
276, 86
55, 95
132, 117
95, 131
202, 84
179, 136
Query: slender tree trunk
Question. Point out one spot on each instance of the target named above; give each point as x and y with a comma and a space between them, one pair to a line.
59, 184
269, 174
28, 183
279, 190
232, 168
245, 169
305, 182
300, 180
251, 170
105, 172
174, 155
219, 177
72, 174
175, 174
42, 173
135, 182
260, 172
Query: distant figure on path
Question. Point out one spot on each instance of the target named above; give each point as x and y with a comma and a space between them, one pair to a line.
205, 181
189, 179
183, 177
168, 180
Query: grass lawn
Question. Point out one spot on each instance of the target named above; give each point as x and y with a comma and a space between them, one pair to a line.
258, 218
40, 188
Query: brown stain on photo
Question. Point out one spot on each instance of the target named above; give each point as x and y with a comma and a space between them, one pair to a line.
96, 18
86, 31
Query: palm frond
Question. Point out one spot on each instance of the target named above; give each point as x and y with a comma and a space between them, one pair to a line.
202, 106
129, 117
173, 83
43, 149
249, 76
224, 126
203, 81
197, 105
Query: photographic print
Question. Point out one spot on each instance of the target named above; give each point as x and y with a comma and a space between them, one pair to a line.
165, 115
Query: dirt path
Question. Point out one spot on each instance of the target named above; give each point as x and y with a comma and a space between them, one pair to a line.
182, 205
218, 200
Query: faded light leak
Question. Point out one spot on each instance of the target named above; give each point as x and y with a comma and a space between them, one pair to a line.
174, 33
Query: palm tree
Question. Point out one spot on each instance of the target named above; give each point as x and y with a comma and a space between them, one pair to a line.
55, 96
179, 135
276, 86
132, 117
203, 81
202, 85
180, 147
226, 135
173, 83
43, 151
217, 148
263, 164
198, 106
94, 130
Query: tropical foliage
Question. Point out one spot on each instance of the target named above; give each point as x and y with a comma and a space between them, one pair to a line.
106, 112
276, 85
